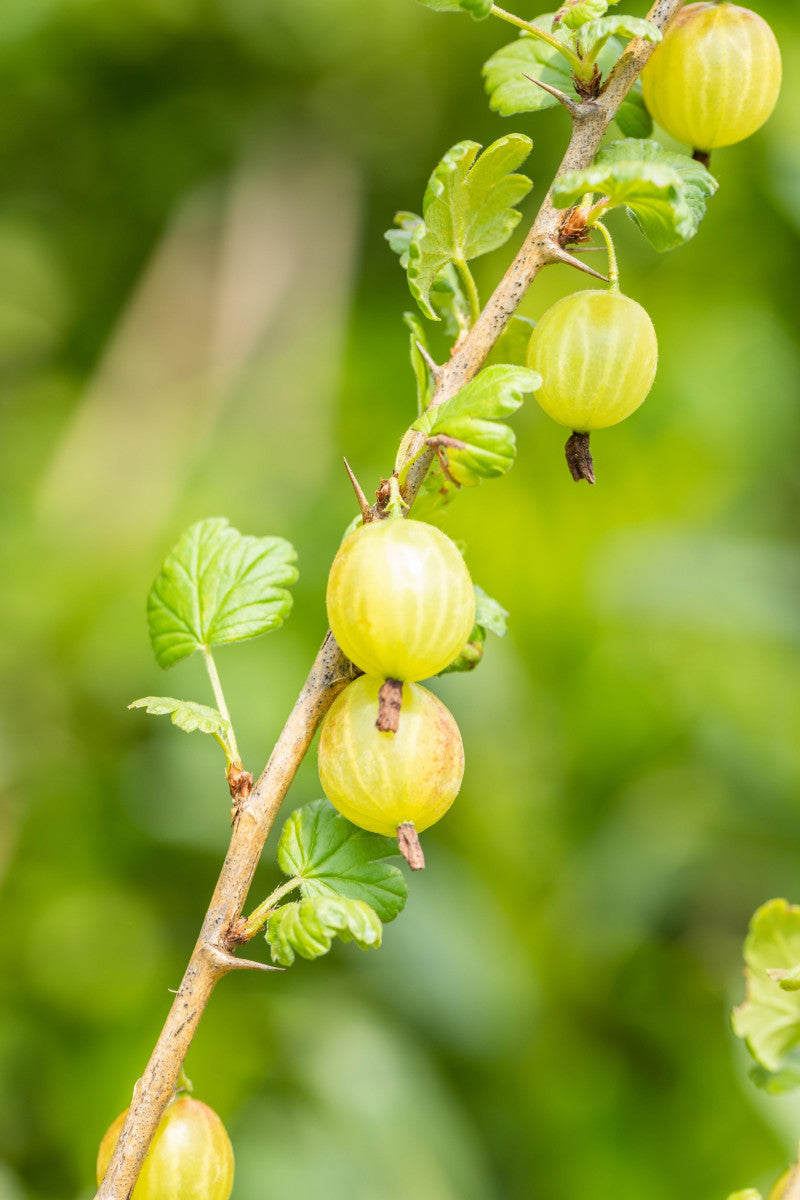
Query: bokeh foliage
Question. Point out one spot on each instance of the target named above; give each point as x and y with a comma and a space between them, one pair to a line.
198, 316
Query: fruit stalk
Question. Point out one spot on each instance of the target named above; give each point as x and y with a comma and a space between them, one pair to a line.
212, 956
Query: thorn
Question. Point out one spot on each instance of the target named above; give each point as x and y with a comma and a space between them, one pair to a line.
363, 503
229, 962
434, 368
579, 457
390, 700
563, 256
572, 108
410, 848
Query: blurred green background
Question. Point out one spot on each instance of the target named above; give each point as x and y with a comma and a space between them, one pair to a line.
199, 316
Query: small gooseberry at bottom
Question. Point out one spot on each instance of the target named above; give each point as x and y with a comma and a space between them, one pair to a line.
597, 354
715, 78
379, 780
190, 1157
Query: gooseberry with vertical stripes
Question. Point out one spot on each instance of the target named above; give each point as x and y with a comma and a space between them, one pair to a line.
190, 1157
715, 78
380, 781
597, 354
400, 599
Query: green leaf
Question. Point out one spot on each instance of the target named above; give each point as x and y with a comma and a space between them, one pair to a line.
665, 193
332, 857
594, 34
512, 345
477, 445
435, 495
769, 1018
308, 927
447, 293
468, 210
217, 586
633, 117
187, 715
489, 617
399, 237
575, 13
504, 73
477, 9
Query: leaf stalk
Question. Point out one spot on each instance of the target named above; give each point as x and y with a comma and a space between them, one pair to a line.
555, 43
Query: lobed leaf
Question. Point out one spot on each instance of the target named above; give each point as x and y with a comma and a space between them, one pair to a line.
332, 857
468, 210
505, 72
489, 614
769, 1018
665, 193
477, 9
486, 448
217, 586
187, 715
307, 927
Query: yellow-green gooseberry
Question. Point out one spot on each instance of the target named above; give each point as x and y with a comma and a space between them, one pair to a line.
597, 354
715, 78
383, 780
190, 1157
400, 599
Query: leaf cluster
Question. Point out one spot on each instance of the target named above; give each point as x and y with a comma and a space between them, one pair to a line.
347, 887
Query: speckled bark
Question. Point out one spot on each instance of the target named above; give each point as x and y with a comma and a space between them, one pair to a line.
212, 957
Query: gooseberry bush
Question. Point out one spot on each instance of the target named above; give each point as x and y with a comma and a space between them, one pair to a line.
401, 605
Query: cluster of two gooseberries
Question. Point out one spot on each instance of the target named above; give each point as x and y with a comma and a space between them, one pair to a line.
402, 606
712, 82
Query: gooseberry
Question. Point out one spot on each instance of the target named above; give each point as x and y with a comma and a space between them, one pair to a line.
715, 78
400, 599
597, 353
381, 781
190, 1157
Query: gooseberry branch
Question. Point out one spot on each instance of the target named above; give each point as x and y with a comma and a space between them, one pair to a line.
254, 813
